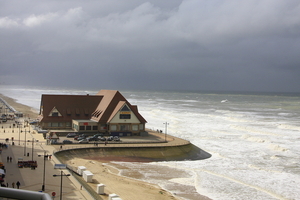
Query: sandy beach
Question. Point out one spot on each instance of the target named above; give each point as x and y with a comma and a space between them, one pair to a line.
105, 172
127, 188
26, 110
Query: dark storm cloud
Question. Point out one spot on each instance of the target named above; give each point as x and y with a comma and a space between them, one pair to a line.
195, 45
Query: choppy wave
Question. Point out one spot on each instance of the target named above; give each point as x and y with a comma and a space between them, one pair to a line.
254, 141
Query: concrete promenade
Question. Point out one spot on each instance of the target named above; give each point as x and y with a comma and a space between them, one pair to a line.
32, 179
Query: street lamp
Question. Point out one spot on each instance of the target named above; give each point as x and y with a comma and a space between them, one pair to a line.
61, 175
19, 126
44, 177
166, 124
32, 149
25, 142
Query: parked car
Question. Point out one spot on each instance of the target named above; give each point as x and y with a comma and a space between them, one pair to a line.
98, 135
116, 138
53, 142
80, 138
83, 141
34, 122
92, 138
67, 142
101, 138
70, 135
110, 138
82, 135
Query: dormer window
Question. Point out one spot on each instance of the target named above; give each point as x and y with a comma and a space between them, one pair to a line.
125, 108
54, 114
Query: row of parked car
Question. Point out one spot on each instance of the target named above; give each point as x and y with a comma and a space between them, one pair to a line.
82, 138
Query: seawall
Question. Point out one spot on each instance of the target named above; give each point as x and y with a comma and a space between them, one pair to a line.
136, 154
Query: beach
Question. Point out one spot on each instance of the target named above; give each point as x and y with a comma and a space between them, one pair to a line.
26, 110
107, 173
127, 188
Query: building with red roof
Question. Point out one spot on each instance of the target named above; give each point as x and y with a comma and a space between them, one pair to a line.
107, 112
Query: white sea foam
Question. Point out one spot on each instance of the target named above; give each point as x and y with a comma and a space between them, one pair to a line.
254, 141
277, 147
289, 127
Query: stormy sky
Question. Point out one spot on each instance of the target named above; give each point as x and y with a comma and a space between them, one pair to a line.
202, 45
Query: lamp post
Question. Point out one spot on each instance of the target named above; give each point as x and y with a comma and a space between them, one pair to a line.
25, 142
166, 125
32, 149
61, 178
44, 172
19, 126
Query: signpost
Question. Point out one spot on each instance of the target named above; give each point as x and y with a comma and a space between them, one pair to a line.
53, 195
60, 166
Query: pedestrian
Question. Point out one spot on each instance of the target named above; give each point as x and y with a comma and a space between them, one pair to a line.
18, 184
7, 158
6, 184
13, 184
10, 159
50, 157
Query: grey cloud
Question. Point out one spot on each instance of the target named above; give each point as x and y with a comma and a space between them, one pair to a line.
191, 44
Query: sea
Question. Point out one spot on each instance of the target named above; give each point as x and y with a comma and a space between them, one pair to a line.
253, 139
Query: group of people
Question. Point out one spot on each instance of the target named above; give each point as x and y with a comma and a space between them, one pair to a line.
8, 158
3, 145
13, 184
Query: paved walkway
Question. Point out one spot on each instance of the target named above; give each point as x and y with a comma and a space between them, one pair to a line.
33, 179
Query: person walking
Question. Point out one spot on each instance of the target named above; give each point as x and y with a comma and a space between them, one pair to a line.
18, 184
13, 184
10, 159
7, 159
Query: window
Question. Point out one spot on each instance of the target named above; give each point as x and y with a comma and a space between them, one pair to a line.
113, 127
88, 128
81, 128
55, 114
141, 126
124, 127
135, 127
125, 108
95, 128
125, 116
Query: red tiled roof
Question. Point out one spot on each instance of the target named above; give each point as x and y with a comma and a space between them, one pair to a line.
100, 107
108, 106
70, 106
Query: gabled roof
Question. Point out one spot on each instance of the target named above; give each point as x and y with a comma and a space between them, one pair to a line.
111, 103
116, 110
100, 107
69, 106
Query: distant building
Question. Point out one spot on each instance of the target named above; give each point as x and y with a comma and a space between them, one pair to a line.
107, 112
